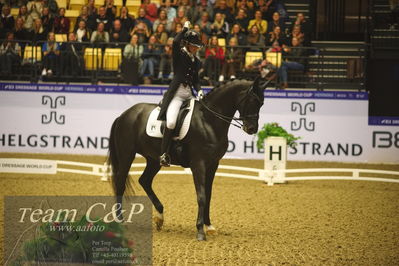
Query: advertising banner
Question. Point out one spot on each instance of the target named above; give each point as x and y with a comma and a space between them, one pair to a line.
76, 119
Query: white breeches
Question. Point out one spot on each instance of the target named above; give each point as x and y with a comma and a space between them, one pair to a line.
182, 94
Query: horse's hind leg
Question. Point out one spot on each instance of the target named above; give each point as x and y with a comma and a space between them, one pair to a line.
121, 176
151, 169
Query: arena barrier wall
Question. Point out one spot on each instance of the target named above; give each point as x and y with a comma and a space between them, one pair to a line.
76, 119
22, 165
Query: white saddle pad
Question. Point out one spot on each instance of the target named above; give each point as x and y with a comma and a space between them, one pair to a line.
153, 128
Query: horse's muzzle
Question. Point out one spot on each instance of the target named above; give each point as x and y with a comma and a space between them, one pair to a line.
249, 129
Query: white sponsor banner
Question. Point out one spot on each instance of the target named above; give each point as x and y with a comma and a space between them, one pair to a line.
79, 123
27, 166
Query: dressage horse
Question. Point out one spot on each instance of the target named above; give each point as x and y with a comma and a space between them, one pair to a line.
204, 145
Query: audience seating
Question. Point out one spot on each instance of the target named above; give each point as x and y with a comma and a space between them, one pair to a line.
93, 58
112, 59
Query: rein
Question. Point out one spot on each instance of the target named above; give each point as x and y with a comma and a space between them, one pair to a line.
235, 121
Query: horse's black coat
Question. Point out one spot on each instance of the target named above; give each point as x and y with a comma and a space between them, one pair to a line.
205, 144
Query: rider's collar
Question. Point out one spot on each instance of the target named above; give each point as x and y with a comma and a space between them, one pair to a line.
189, 54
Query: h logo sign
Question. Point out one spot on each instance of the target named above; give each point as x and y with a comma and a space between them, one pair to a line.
53, 103
277, 152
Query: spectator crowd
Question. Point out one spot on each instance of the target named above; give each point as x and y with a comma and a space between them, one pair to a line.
228, 30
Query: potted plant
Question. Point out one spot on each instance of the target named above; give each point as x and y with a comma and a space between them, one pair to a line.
274, 130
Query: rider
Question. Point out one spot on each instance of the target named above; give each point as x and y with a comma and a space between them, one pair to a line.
186, 66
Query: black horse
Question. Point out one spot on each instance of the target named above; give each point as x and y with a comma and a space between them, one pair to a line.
204, 145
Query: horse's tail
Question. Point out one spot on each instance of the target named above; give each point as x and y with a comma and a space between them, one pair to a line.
112, 155
113, 162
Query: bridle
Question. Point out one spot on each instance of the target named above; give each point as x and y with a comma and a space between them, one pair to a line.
237, 121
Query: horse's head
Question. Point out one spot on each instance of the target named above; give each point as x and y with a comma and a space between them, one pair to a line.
250, 102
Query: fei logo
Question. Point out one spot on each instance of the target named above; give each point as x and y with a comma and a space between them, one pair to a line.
53, 102
303, 110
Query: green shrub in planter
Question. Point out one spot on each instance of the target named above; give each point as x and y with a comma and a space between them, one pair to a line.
274, 130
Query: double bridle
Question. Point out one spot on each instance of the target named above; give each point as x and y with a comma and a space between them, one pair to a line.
237, 121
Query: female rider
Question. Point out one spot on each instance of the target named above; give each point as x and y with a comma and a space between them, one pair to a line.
186, 66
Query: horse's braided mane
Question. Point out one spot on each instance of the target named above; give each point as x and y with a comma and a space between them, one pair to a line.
226, 85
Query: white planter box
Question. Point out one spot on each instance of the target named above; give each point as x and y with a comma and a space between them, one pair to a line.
275, 159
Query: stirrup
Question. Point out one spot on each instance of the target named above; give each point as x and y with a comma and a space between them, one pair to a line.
164, 160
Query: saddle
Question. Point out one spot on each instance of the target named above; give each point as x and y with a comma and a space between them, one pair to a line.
156, 127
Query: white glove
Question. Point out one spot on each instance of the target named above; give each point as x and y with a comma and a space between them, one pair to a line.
200, 94
187, 24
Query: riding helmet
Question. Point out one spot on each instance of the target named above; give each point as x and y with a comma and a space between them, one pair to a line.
192, 37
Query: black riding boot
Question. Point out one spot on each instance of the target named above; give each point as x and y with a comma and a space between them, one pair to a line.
166, 140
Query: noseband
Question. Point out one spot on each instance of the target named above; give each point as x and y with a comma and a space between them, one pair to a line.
237, 121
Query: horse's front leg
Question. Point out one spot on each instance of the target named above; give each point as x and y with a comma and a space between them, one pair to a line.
199, 173
210, 175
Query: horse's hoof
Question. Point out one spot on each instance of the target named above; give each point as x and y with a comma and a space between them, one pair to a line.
158, 219
201, 237
210, 230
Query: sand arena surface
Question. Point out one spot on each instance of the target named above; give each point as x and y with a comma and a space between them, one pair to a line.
300, 223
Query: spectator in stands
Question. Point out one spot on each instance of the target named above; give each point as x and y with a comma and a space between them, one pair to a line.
260, 23
293, 58
275, 48
151, 10
84, 15
132, 60
276, 22
20, 32
237, 33
47, 19
110, 9
170, 11
248, 6
91, 8
298, 34
9, 54
35, 8
220, 27
142, 32
150, 58
52, 5
143, 18
7, 19
51, 52
161, 34
185, 5
82, 32
71, 56
100, 35
205, 24
196, 11
128, 22
180, 18
178, 28
255, 39
118, 34
223, 9
61, 23
276, 36
233, 58
100, 18
162, 19
166, 64
28, 20
242, 20
267, 8
202, 34
38, 33
214, 56
300, 20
